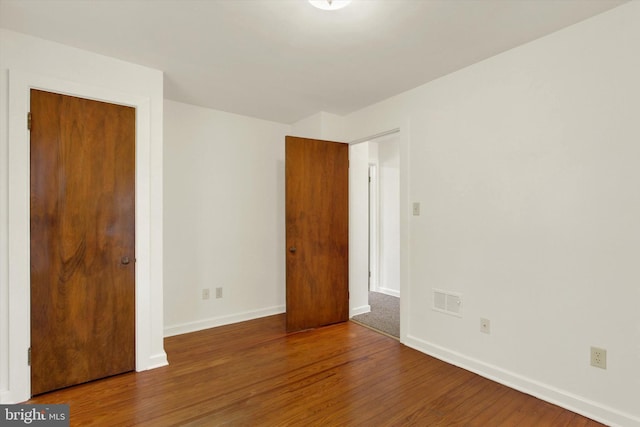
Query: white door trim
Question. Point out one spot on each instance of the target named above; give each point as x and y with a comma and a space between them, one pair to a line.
403, 131
374, 228
20, 85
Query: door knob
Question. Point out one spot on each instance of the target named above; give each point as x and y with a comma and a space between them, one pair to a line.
292, 249
125, 260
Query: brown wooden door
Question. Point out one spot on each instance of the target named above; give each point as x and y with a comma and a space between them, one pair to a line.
82, 240
317, 227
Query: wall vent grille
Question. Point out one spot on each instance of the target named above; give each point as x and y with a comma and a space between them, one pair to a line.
447, 302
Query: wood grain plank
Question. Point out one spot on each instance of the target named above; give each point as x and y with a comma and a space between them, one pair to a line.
317, 226
255, 374
82, 223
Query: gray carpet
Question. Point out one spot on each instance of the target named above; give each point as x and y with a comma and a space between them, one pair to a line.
384, 315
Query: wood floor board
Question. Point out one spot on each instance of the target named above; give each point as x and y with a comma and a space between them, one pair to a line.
500, 407
367, 398
254, 374
466, 404
367, 394
275, 377
439, 410
313, 383
417, 395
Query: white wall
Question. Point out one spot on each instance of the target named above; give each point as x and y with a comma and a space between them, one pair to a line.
321, 125
526, 166
374, 217
389, 221
224, 217
27, 62
309, 127
358, 229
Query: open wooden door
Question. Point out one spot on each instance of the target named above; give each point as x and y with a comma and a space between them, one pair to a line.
82, 240
317, 227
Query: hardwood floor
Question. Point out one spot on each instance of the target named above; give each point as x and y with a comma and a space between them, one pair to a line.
254, 374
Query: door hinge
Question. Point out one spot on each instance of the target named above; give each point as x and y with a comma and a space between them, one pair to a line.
29, 356
29, 120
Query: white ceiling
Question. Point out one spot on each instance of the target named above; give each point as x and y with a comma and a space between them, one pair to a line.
284, 60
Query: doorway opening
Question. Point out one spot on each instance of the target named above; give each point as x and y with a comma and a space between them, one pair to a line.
382, 198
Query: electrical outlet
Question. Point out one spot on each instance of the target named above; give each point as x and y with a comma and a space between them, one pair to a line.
416, 208
205, 293
485, 326
599, 357
218, 292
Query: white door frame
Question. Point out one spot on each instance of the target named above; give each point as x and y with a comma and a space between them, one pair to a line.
374, 228
405, 289
19, 274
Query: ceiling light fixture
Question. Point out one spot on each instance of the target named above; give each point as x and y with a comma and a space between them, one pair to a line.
329, 4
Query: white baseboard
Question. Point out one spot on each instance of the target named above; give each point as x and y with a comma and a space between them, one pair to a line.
6, 398
212, 322
562, 398
156, 361
359, 310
